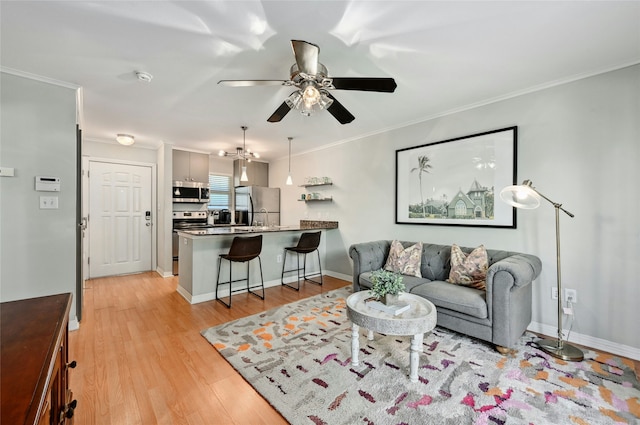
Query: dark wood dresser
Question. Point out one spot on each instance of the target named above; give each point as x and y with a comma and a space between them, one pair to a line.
34, 364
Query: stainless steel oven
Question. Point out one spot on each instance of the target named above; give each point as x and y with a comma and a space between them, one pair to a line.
186, 220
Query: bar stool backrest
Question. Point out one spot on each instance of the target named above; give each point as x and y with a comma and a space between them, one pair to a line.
308, 242
245, 249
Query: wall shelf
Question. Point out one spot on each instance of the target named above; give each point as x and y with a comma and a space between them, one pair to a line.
316, 184
329, 199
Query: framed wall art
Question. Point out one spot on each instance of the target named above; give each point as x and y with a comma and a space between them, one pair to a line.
457, 182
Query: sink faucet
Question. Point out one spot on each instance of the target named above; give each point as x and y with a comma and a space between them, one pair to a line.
267, 213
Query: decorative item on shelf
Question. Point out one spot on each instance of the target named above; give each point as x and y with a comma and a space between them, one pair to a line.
316, 181
386, 283
527, 197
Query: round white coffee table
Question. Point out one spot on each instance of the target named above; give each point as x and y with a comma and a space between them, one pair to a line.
420, 318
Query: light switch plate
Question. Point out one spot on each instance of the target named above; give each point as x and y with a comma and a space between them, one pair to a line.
48, 202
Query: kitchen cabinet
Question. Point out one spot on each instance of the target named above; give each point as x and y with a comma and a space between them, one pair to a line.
190, 166
35, 367
257, 173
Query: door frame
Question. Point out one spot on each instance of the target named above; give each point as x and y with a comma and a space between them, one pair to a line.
86, 160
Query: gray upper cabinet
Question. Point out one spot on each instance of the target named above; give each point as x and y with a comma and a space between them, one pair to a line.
257, 173
190, 166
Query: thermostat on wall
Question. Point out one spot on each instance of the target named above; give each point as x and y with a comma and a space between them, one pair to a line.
47, 184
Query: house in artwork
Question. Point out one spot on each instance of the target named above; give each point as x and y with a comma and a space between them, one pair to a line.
477, 203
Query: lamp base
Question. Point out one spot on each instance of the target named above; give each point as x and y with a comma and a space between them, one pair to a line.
560, 349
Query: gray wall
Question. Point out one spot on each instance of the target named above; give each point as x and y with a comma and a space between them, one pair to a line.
38, 137
580, 145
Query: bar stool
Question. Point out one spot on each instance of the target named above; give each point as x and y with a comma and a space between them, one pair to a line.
307, 243
242, 250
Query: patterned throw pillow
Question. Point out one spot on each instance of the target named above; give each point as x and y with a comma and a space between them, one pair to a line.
404, 260
469, 270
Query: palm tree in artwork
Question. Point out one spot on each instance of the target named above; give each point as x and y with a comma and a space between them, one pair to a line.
423, 167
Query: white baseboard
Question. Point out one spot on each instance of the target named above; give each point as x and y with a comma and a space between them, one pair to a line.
589, 341
337, 275
74, 325
212, 295
163, 273
268, 284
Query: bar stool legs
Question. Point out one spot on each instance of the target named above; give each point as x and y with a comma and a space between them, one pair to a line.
298, 269
242, 250
230, 282
307, 243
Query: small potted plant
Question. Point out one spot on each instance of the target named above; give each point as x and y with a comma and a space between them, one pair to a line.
386, 285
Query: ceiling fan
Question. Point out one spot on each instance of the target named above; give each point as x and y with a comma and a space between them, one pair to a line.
311, 79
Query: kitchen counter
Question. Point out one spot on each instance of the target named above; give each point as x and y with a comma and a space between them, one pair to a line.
243, 230
200, 249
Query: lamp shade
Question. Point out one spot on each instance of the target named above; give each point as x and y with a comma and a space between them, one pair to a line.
243, 177
521, 196
125, 139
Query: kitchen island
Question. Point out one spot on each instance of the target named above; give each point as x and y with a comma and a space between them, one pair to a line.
199, 251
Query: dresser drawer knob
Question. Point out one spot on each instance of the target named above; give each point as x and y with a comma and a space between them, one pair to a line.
72, 365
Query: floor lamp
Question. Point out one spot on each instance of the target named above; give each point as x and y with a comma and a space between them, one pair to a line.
527, 197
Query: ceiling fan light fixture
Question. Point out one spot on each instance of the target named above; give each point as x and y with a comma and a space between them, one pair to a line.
325, 101
310, 96
294, 100
125, 139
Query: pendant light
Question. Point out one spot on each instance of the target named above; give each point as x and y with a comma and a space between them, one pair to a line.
243, 177
289, 180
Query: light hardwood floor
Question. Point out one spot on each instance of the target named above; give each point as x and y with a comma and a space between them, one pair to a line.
141, 358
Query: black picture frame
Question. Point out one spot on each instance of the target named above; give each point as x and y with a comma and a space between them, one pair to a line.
457, 182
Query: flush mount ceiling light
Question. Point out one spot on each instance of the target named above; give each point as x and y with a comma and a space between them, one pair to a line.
144, 76
241, 153
125, 139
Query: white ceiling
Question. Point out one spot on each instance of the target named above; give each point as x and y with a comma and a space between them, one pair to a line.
444, 56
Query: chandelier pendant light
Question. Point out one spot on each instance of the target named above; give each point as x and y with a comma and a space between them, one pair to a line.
243, 177
289, 179
241, 152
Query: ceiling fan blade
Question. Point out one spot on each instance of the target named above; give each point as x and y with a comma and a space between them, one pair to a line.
306, 56
387, 85
279, 113
339, 112
251, 83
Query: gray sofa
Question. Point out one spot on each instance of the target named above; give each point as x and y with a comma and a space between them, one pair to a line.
500, 315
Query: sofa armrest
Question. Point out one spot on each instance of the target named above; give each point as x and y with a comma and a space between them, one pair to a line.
509, 296
523, 268
367, 257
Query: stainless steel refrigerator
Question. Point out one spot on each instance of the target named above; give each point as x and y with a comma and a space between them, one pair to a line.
256, 204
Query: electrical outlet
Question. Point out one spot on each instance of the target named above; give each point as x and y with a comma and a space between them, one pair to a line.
571, 295
279, 258
554, 293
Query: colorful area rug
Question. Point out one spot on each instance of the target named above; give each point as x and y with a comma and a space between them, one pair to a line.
298, 358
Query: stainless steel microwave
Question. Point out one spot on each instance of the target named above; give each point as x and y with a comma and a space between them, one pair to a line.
190, 192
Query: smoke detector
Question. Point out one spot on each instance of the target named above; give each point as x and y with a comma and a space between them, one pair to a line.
144, 76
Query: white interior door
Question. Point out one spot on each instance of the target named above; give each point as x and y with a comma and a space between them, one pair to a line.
120, 221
